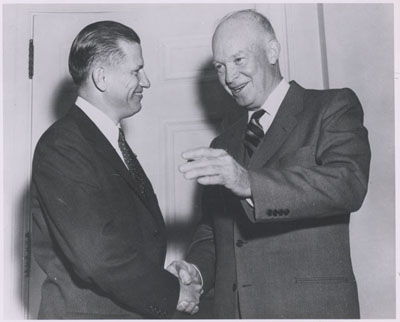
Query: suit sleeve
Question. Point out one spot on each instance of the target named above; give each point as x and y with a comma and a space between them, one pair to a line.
81, 221
335, 183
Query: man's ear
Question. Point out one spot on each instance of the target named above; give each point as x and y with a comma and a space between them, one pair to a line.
99, 78
273, 50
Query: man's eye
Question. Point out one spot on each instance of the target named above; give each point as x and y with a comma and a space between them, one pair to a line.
239, 60
137, 70
218, 67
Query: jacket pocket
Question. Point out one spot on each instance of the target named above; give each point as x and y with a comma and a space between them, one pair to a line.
322, 280
97, 316
304, 157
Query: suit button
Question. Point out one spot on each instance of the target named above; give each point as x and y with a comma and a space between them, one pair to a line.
234, 287
156, 232
239, 243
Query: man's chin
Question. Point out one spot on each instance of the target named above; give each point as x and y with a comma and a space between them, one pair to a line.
239, 101
137, 109
134, 110
245, 104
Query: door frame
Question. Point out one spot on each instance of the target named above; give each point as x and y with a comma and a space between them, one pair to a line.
18, 24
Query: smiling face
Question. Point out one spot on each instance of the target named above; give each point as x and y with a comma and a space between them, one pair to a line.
125, 82
245, 58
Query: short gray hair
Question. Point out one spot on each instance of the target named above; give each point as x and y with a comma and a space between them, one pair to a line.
251, 15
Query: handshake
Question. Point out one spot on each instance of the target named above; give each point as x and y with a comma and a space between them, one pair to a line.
191, 287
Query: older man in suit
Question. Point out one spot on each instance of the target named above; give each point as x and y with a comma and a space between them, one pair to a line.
280, 184
98, 232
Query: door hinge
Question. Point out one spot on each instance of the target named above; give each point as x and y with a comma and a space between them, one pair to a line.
27, 255
30, 63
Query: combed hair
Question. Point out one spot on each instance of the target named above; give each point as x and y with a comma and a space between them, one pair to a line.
98, 42
252, 15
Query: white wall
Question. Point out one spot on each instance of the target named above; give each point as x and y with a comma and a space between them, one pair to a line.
17, 138
359, 39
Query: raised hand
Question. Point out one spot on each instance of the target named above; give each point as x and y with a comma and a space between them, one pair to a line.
216, 167
190, 283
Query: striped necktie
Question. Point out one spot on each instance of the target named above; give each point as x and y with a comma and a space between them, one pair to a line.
143, 184
254, 132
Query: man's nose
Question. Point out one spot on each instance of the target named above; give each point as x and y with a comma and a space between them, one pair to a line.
230, 74
144, 81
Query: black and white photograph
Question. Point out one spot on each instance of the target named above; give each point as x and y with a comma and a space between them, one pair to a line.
183, 160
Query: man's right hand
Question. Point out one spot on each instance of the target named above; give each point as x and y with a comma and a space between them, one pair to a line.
190, 286
185, 271
189, 298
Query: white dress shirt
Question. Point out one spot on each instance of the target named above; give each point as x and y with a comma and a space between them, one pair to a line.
103, 123
271, 105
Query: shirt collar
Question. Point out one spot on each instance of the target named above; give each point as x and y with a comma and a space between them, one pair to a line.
275, 99
101, 120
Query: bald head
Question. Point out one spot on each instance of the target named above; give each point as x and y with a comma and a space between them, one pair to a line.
246, 55
250, 19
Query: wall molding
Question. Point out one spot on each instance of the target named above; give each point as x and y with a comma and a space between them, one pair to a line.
186, 58
172, 129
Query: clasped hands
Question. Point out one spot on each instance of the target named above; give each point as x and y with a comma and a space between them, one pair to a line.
209, 167
190, 286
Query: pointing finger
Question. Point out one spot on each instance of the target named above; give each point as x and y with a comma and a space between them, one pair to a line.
202, 163
202, 152
210, 180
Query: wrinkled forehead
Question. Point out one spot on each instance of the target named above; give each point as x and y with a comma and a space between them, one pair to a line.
236, 35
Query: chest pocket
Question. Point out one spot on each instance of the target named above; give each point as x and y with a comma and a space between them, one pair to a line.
302, 157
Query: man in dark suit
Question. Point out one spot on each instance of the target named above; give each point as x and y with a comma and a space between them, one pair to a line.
280, 184
98, 232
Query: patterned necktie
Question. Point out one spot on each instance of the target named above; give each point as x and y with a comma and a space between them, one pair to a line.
143, 183
254, 132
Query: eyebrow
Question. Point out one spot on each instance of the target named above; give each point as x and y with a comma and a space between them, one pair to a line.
239, 53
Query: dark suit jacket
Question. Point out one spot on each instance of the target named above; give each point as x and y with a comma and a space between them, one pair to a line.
101, 246
289, 256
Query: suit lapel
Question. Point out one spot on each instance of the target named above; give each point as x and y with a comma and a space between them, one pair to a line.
105, 149
284, 122
235, 146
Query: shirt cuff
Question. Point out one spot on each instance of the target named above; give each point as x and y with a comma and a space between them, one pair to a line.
250, 202
201, 276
